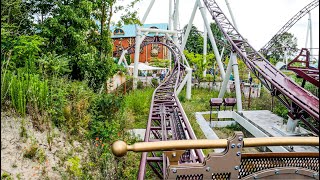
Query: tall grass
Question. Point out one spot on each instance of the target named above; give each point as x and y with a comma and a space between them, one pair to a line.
5, 80
25, 89
18, 92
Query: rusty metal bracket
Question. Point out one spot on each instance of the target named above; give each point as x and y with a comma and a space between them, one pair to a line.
224, 165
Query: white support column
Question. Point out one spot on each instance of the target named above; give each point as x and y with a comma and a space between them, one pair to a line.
237, 83
186, 35
226, 78
136, 58
308, 32
137, 46
205, 50
285, 56
177, 14
231, 14
311, 42
125, 62
213, 42
122, 56
175, 20
182, 84
189, 83
170, 15
291, 125
147, 12
221, 54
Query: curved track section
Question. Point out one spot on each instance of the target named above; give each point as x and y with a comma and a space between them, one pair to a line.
289, 24
301, 103
167, 119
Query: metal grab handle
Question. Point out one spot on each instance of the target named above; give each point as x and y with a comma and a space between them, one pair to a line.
120, 148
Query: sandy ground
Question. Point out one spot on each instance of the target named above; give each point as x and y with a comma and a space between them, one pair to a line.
13, 148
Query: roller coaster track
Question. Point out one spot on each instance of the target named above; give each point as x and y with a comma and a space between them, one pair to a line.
167, 119
289, 24
300, 103
170, 146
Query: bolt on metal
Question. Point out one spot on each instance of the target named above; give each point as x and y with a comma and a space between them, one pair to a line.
174, 170
233, 145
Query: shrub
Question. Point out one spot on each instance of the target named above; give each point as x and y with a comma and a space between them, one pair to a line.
104, 110
74, 166
53, 65
6, 176
31, 151
139, 85
76, 111
155, 82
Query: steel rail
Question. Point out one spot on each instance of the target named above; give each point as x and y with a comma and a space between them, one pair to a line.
289, 24
120, 148
294, 97
167, 119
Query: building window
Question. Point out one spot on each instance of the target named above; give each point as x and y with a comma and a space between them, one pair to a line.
118, 32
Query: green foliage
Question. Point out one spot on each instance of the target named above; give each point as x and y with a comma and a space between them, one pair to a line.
160, 62
196, 61
15, 17
105, 107
283, 42
96, 71
280, 109
41, 155
6, 176
67, 26
219, 37
18, 92
195, 40
26, 50
155, 82
140, 84
58, 100
28, 89
31, 151
23, 131
53, 65
76, 110
53, 69
74, 166
137, 106
6, 80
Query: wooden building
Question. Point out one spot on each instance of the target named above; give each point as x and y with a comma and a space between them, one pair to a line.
124, 37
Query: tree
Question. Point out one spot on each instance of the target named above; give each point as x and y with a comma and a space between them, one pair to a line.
195, 40
284, 42
219, 38
197, 64
15, 22
103, 13
41, 9
67, 28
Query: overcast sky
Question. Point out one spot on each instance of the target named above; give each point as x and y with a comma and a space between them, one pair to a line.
257, 20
